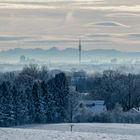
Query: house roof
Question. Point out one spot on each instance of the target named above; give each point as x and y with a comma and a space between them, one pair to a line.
96, 102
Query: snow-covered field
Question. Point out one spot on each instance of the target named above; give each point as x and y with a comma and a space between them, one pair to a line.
80, 132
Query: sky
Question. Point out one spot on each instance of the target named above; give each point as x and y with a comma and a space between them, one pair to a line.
100, 24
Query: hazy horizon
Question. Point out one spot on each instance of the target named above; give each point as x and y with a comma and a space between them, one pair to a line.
68, 48
101, 24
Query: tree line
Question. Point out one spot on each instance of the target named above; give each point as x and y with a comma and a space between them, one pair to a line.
30, 96
36, 95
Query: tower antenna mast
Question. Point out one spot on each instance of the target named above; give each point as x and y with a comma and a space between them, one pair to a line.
80, 50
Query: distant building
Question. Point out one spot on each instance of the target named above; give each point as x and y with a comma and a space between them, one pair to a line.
22, 59
114, 61
78, 75
93, 106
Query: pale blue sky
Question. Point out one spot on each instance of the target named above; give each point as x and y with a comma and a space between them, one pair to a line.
105, 24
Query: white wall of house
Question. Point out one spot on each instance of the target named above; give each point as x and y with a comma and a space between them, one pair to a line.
93, 106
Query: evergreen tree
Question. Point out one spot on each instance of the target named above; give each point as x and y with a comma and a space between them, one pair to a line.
39, 104
6, 105
62, 95
30, 105
51, 103
44, 99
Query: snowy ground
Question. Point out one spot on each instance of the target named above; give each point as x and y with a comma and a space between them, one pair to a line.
81, 132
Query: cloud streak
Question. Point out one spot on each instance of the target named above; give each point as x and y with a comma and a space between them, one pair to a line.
122, 8
107, 24
73, 5
124, 15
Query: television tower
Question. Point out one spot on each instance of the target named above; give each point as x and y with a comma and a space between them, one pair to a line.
80, 50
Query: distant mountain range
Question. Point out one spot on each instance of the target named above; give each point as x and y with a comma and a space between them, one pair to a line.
68, 54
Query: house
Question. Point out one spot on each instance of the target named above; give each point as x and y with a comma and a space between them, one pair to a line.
93, 106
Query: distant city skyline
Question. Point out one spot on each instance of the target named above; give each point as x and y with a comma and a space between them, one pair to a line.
101, 24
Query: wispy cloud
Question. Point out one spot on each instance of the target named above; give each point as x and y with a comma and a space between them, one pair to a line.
13, 38
124, 15
108, 24
18, 38
100, 35
26, 6
134, 35
103, 35
122, 8
72, 5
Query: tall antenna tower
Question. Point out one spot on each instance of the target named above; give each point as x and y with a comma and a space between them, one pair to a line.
80, 49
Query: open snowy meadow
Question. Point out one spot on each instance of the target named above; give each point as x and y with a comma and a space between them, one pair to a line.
80, 132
